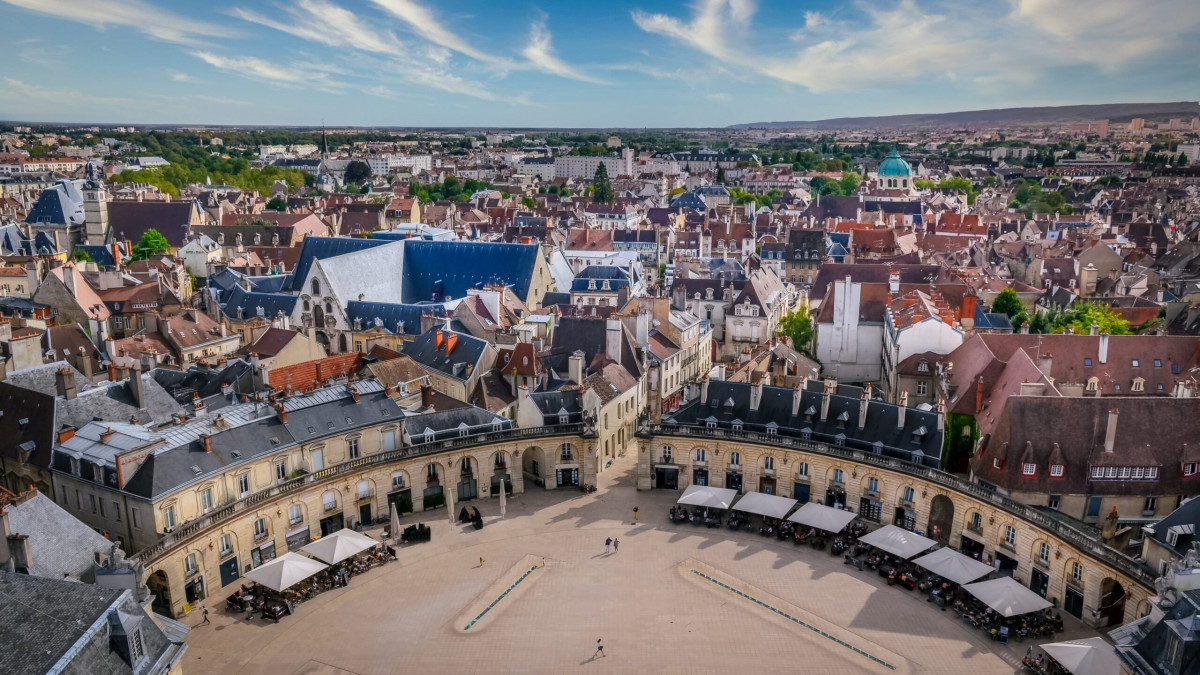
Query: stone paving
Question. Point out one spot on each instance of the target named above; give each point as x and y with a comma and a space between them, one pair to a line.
405, 616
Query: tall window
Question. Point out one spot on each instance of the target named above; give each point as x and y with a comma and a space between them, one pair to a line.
397, 480
735, 459
701, 455
244, 484
352, 446
873, 485
389, 440
137, 651
977, 521
260, 529
364, 489
769, 463
1044, 552
226, 545
189, 564
909, 495
169, 518
566, 454
294, 514
838, 476
1077, 572
206, 499
1010, 536
329, 500
316, 287
281, 472
802, 470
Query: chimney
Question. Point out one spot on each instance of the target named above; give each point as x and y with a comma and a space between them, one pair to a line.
426, 396
575, 367
862, 407
207, 443
281, 412
69, 279
85, 363
941, 409
451, 340
902, 409
64, 383
66, 433
755, 393
1102, 357
967, 320
135, 387
612, 339
893, 282
1045, 362
513, 383
825, 393
353, 392
796, 398
18, 551
979, 395
112, 370
437, 339
704, 390
1110, 434
1095, 329
1024, 328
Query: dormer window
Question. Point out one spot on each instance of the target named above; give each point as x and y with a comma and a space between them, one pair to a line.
1056, 470
1029, 469
1093, 383
1139, 384
997, 464
923, 367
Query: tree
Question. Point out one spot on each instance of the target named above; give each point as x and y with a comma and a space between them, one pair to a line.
80, 255
277, 204
1009, 304
1082, 315
1182, 160
849, 182
151, 243
603, 189
721, 175
798, 326
358, 172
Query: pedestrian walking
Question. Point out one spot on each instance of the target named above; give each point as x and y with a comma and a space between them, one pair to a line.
204, 611
635, 515
616, 545
481, 561
599, 648
607, 544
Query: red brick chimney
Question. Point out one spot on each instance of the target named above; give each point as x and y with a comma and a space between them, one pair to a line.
979, 395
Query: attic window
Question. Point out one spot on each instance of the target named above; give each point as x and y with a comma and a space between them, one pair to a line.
1087, 362
1158, 363
1135, 363
1093, 384
274, 441
1028, 469
1056, 470
997, 464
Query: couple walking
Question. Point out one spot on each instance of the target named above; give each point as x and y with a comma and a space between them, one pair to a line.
614, 543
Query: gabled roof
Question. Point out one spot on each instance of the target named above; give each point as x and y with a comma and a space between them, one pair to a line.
129, 220
320, 248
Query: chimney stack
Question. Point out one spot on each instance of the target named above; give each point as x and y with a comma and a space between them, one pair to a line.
281, 412
135, 387
941, 414
426, 395
612, 339
797, 392
902, 409
862, 407
575, 367
1046, 362
1110, 434
893, 282
1095, 329
1102, 357
85, 363
755, 392
825, 394
64, 383
1024, 328
704, 390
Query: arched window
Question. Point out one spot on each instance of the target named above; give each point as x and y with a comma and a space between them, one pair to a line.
802, 471
316, 287
307, 306
769, 463
735, 459
667, 454
701, 455
328, 307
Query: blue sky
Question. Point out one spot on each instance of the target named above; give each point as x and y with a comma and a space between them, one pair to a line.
609, 64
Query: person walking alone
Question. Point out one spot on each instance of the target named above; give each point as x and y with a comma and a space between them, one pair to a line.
616, 545
204, 611
599, 648
607, 544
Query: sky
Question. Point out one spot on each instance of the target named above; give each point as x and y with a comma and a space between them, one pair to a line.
635, 63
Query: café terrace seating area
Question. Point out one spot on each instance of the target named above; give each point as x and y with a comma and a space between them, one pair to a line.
986, 599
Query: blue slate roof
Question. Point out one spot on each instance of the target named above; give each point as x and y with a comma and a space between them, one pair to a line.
459, 364
53, 206
101, 255
988, 320
274, 283
390, 315
325, 247
12, 242
434, 270
617, 277
272, 303
687, 200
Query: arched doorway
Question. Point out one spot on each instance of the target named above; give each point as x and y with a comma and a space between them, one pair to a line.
941, 519
1112, 602
342, 346
468, 487
500, 474
533, 463
158, 584
434, 496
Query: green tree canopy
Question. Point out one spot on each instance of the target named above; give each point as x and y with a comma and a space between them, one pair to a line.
277, 204
798, 326
151, 243
1008, 303
358, 172
1080, 317
603, 189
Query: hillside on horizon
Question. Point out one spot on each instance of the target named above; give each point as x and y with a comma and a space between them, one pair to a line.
1036, 115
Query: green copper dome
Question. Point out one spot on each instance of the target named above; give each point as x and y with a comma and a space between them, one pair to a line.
894, 166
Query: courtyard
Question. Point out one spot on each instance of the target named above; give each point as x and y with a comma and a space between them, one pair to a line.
673, 598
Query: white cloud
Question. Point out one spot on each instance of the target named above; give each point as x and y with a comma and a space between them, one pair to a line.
540, 54
17, 93
719, 97
325, 23
158, 23
870, 45
182, 77
271, 73
424, 24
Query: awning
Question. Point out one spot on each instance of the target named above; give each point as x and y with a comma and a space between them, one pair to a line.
897, 541
950, 564
285, 571
822, 517
764, 504
1089, 656
338, 546
704, 495
1007, 597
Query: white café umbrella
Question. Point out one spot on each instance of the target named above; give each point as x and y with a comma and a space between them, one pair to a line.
503, 498
897, 541
338, 546
704, 495
950, 564
822, 517
395, 525
449, 503
1088, 656
1007, 597
285, 571
761, 504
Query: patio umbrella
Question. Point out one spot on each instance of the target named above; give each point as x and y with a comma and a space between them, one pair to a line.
711, 497
897, 541
1089, 656
449, 503
339, 546
952, 565
761, 504
822, 517
1007, 597
395, 525
285, 571
502, 498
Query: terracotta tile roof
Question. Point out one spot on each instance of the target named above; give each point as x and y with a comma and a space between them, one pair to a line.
310, 374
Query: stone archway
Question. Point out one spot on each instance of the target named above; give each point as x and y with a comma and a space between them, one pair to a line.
1112, 603
468, 484
533, 465
501, 471
434, 495
941, 519
160, 586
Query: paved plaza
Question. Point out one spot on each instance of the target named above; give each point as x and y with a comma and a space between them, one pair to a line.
674, 598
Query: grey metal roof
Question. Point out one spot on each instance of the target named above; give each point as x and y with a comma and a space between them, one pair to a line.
42, 619
61, 545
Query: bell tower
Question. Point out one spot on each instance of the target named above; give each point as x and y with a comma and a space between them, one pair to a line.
95, 208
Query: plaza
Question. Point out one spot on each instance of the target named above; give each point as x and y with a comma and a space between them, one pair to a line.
674, 598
